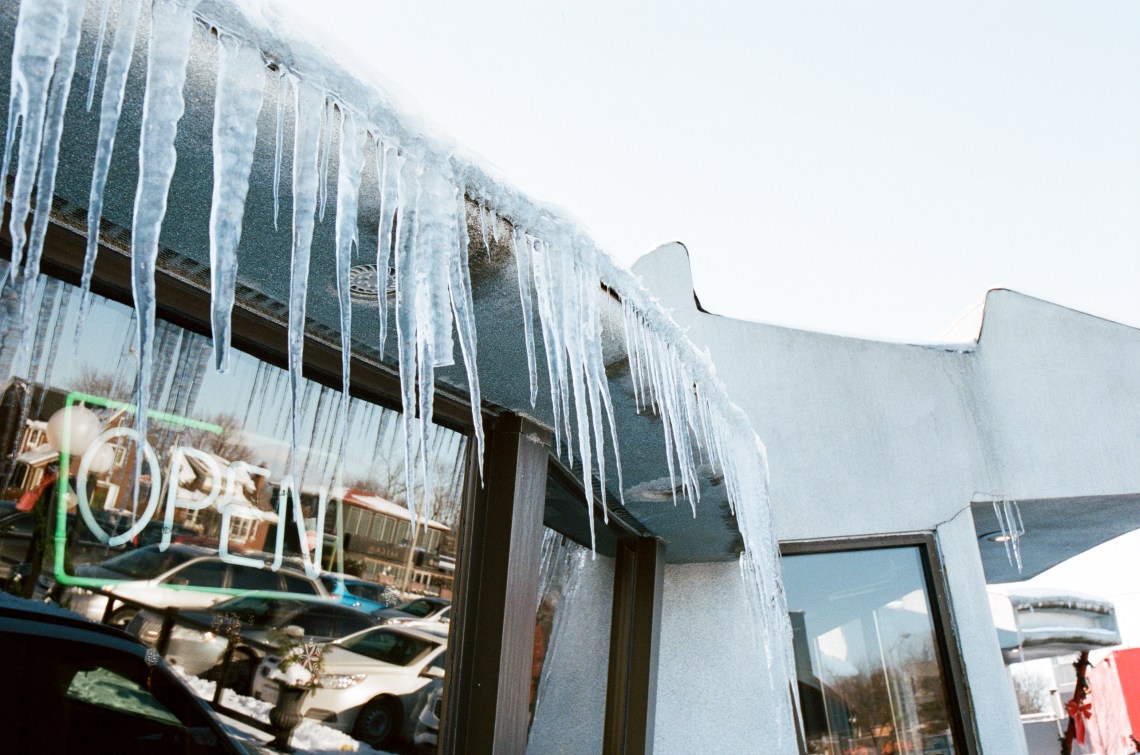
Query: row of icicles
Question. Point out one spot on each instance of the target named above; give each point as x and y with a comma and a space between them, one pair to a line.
423, 214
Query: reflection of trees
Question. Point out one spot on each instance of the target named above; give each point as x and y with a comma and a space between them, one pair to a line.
916, 686
227, 444
1033, 693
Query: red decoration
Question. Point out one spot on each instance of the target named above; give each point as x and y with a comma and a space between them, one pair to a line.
29, 498
1079, 711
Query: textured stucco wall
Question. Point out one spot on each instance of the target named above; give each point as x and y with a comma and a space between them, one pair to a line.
710, 675
571, 709
997, 719
869, 438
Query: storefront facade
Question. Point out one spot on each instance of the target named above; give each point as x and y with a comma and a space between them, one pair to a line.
444, 387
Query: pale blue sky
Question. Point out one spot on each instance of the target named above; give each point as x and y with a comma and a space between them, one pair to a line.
865, 167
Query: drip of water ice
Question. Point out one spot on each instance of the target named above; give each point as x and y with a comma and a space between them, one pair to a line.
310, 103
40, 32
241, 82
282, 90
526, 297
326, 146
97, 57
49, 161
351, 163
1008, 514
172, 22
114, 87
463, 309
388, 166
483, 229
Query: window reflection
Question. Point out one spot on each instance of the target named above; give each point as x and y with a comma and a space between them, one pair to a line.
867, 664
222, 475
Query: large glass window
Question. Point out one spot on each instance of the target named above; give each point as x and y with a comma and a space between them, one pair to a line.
219, 466
867, 653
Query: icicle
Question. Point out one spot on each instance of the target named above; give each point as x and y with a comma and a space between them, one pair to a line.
40, 31
307, 133
114, 87
96, 58
350, 165
168, 51
388, 166
486, 241
463, 309
241, 82
494, 218
49, 158
547, 318
407, 295
282, 89
326, 147
526, 296
1012, 528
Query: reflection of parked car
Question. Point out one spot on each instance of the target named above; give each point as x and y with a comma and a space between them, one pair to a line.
373, 682
16, 533
73, 686
416, 611
355, 592
427, 726
166, 578
256, 619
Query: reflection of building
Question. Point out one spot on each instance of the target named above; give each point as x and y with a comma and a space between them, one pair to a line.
30, 454
378, 536
243, 494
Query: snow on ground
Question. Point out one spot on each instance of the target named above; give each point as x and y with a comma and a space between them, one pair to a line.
309, 738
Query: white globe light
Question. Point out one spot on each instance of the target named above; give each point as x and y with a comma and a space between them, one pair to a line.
102, 460
81, 425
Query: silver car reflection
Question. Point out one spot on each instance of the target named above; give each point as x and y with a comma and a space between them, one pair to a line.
373, 683
254, 619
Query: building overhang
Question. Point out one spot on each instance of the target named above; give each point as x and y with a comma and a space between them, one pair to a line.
711, 533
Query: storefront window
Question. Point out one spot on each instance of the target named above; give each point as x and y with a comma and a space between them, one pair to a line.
867, 661
219, 470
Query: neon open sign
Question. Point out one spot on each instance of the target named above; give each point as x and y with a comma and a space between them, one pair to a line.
222, 493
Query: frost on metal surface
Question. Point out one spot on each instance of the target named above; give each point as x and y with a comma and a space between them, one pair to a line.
425, 187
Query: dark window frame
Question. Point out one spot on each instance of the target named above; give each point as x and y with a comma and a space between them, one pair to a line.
962, 709
635, 623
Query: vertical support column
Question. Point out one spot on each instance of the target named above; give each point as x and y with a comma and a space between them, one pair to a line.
492, 637
631, 695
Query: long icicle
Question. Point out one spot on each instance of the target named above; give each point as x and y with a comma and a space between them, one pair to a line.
307, 133
463, 309
241, 84
96, 59
279, 143
48, 164
350, 165
39, 34
526, 298
388, 165
114, 88
169, 50
407, 218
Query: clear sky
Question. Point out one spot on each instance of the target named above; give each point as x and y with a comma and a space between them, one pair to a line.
868, 167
